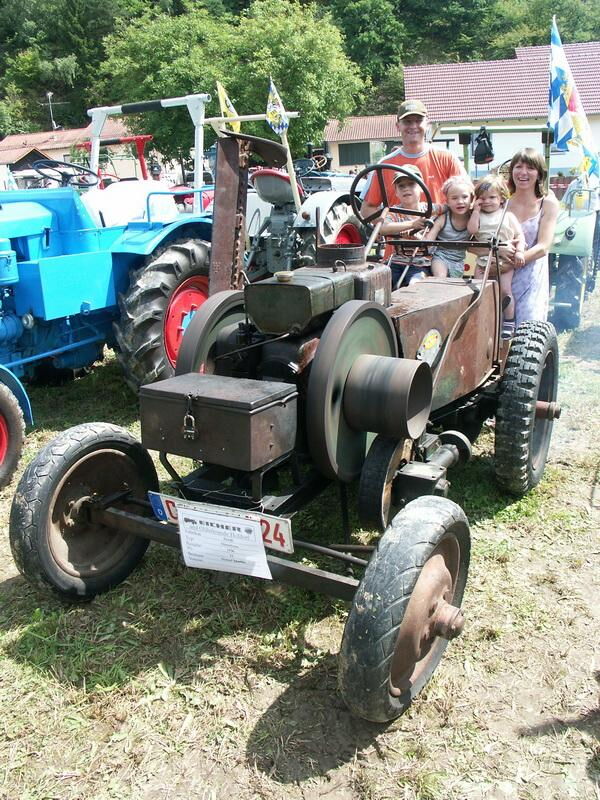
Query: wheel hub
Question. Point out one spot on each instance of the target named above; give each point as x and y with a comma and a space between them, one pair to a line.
80, 547
430, 619
185, 301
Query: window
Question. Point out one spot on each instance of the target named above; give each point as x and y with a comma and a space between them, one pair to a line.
354, 153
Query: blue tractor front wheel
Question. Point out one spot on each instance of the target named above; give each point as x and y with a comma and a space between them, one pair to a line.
12, 434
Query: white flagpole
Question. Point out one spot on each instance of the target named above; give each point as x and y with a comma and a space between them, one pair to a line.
291, 171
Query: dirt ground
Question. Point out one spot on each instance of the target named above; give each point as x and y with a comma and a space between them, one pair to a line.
174, 686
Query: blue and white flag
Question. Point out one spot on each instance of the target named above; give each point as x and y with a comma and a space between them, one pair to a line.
276, 116
566, 116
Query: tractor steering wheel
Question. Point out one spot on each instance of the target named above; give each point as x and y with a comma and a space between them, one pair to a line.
378, 169
51, 170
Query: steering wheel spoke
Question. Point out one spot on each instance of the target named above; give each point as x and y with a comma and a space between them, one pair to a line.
379, 170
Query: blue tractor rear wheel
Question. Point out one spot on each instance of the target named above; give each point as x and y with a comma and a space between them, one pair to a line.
156, 309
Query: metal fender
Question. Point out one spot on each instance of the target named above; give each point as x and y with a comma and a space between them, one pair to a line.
17, 388
141, 239
307, 218
574, 236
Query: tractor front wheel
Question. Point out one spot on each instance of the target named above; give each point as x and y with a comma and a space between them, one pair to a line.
570, 292
156, 309
12, 434
54, 542
406, 609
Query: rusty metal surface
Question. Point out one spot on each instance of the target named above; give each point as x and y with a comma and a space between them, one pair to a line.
229, 211
272, 153
435, 305
338, 255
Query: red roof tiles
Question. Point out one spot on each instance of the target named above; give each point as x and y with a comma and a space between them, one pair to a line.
16, 145
362, 129
515, 88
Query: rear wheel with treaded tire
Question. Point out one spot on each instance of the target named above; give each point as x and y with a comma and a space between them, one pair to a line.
405, 609
54, 543
530, 375
339, 226
12, 434
157, 308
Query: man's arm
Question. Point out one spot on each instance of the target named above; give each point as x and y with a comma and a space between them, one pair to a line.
474, 219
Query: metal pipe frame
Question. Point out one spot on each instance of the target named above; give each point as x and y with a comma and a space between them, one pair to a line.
282, 569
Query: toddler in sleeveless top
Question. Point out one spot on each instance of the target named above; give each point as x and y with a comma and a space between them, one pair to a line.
452, 227
489, 219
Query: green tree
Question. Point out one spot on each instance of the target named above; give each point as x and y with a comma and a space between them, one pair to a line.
446, 30
386, 96
172, 56
520, 23
374, 35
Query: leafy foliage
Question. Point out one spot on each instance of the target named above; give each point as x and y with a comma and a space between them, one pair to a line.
189, 53
329, 59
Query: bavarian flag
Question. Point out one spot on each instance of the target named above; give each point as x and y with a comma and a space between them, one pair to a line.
566, 116
227, 109
276, 116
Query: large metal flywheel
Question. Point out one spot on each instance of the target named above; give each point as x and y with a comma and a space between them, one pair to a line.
357, 328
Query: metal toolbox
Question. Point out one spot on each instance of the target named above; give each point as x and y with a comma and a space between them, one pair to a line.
233, 422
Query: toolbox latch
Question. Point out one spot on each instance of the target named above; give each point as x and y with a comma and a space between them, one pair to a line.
189, 421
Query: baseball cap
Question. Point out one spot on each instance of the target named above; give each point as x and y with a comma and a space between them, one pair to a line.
155, 169
409, 107
408, 168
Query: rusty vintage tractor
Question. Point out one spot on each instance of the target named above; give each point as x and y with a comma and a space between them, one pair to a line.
309, 377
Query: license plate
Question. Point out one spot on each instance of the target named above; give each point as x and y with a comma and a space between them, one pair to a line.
276, 531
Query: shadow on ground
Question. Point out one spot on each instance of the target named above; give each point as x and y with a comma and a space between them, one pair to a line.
588, 722
584, 343
308, 731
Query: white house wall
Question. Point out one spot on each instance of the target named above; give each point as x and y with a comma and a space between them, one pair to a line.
506, 144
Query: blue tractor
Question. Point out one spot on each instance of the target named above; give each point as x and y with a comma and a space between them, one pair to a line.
82, 267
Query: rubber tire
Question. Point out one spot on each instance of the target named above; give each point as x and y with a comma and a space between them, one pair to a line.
533, 344
139, 329
374, 505
31, 511
339, 214
381, 600
570, 288
12, 420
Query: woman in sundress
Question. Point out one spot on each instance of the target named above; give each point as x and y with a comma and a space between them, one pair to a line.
536, 210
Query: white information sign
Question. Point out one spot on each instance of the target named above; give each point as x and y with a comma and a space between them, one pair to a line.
210, 540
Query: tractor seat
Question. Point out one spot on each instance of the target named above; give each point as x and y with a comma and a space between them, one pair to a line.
273, 186
125, 201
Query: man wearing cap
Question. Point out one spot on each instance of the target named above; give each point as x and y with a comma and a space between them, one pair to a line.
436, 166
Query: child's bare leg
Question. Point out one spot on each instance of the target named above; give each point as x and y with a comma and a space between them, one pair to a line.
506, 291
438, 268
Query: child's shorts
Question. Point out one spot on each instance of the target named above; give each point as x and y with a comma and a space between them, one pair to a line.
456, 269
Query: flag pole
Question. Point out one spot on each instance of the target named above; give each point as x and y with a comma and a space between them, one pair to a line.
291, 170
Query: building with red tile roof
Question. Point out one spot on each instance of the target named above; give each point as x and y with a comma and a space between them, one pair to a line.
19, 149
510, 92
